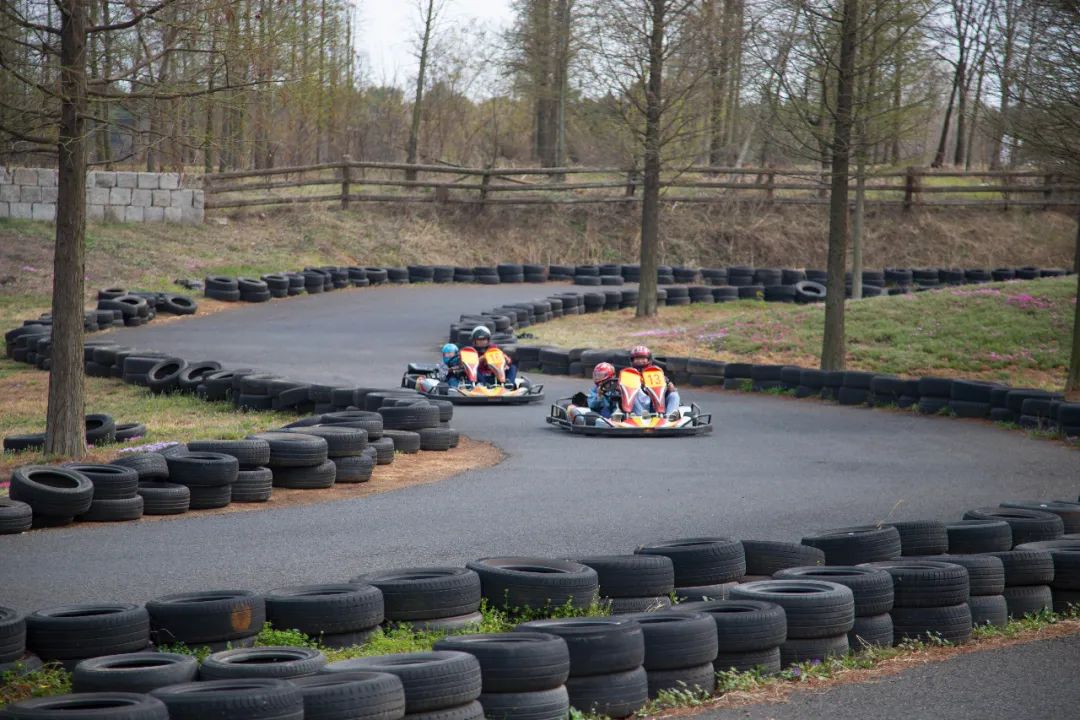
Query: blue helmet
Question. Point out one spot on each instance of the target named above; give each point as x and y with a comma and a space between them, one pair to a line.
449, 352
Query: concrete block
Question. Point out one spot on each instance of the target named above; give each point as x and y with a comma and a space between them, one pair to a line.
46, 177
5, 176
153, 214
182, 198
30, 194
173, 215
198, 200
120, 195
169, 181
21, 210
25, 176
114, 213
191, 216
9, 193
97, 196
142, 198
148, 181
95, 212
49, 194
44, 211
162, 198
127, 179
133, 213
104, 179
4, 210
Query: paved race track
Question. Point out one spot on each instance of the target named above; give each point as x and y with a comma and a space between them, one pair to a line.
774, 468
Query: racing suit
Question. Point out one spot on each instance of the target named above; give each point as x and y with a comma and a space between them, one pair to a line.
606, 401
452, 372
485, 376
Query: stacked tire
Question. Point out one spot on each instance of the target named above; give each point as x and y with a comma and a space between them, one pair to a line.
633, 583
208, 476
280, 662
705, 568
56, 496
680, 648
930, 600
857, 545
116, 493
523, 674
524, 584
986, 586
872, 591
337, 615
298, 461
819, 616
72, 633
217, 619
765, 558
1029, 572
438, 599
607, 676
345, 448
749, 633
1065, 586
254, 480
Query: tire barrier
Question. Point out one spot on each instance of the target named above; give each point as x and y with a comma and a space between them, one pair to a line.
609, 664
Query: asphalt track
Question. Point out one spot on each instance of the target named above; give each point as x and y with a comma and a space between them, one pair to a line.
774, 468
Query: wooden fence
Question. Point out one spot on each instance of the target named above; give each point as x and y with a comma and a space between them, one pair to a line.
348, 182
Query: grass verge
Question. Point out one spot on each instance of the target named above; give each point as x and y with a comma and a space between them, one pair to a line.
734, 689
1017, 333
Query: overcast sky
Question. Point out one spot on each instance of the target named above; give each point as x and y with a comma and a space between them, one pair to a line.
387, 28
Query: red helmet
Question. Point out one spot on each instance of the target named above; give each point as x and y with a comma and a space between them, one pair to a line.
640, 351
603, 372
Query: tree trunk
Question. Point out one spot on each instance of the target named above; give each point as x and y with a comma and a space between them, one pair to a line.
717, 91
1072, 381
414, 127
857, 227
65, 425
961, 114
832, 348
939, 156
563, 29
650, 196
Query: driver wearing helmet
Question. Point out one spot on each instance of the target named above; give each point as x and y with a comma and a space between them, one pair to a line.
604, 398
481, 342
450, 369
641, 358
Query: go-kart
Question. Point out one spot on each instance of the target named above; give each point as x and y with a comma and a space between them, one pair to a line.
471, 388
573, 414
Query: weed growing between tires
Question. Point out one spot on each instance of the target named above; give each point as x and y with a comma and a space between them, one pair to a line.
1018, 333
736, 688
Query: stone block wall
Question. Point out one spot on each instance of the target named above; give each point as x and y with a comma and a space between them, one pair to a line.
113, 196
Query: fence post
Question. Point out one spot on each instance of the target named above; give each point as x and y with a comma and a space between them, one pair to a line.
346, 177
1006, 180
770, 185
485, 181
1048, 190
911, 187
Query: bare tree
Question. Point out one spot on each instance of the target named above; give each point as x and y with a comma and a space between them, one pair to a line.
428, 14
966, 25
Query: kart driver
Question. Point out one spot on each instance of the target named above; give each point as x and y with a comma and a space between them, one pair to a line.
604, 397
641, 358
481, 342
450, 369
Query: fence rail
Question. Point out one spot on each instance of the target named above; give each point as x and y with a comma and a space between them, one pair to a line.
447, 184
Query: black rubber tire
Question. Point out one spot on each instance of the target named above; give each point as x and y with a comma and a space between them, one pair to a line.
1026, 567
857, 545
952, 623
89, 706
209, 498
1069, 512
699, 679
111, 482
138, 672
23, 665
352, 696
798, 650
203, 469
767, 661
432, 680
631, 605
384, 450
355, 469
675, 640
129, 431
632, 576
765, 557
197, 618
436, 439
289, 449
236, 699
312, 477
118, 510
405, 441
1027, 525
1066, 558
325, 609
617, 695
12, 635
340, 441
275, 662
597, 645
449, 625
535, 583
814, 609
515, 662
922, 537
410, 417
978, 536
51, 491
871, 587
164, 377
255, 485
426, 593
164, 498
743, 625
703, 593
248, 453
15, 516
986, 573
990, 610
926, 583
71, 633
469, 711
701, 561
550, 704
871, 631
